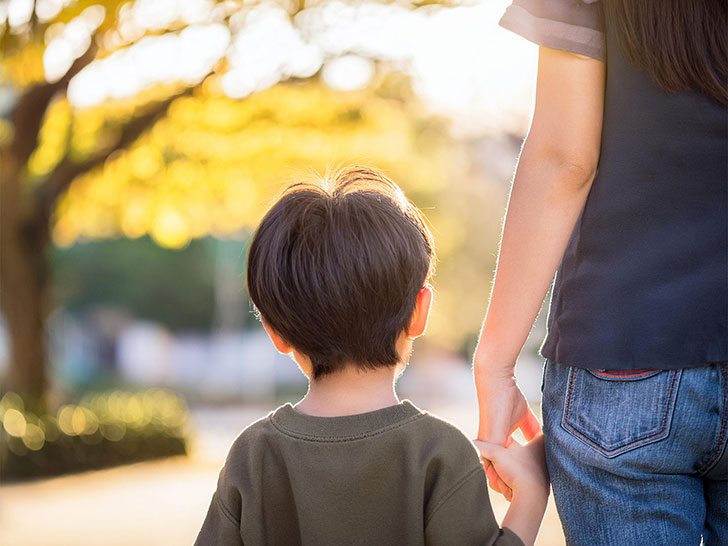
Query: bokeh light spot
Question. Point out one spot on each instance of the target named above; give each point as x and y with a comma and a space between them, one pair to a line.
14, 423
33, 438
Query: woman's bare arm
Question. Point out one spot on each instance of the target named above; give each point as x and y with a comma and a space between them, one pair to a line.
554, 174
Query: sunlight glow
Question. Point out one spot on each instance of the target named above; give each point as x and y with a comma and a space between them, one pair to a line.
71, 41
160, 14
19, 12
207, 165
348, 73
48, 9
462, 63
186, 56
266, 50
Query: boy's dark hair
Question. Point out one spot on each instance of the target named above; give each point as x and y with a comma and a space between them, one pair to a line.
335, 268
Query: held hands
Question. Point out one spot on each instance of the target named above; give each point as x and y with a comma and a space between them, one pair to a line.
503, 409
521, 469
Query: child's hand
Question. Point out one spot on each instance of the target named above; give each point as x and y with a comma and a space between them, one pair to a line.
521, 467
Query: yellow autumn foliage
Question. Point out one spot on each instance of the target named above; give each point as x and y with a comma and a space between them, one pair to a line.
213, 164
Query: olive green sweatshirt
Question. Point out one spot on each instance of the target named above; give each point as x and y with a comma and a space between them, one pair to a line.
396, 476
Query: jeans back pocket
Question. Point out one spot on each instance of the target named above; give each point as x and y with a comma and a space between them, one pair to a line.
618, 411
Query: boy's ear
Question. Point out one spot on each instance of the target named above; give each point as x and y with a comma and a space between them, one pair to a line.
278, 342
418, 322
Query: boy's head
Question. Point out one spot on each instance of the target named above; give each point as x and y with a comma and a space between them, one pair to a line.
336, 269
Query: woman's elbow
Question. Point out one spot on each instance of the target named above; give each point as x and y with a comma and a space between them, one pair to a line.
578, 171
569, 168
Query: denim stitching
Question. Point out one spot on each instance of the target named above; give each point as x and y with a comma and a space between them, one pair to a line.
570, 380
656, 436
723, 422
644, 374
569, 390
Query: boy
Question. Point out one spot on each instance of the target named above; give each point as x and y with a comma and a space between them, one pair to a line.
339, 277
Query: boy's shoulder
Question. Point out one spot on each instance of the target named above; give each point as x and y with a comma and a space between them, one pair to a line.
251, 436
432, 432
442, 426
441, 437
422, 436
244, 457
426, 447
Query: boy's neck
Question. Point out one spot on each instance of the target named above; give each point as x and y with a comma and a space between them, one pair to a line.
350, 391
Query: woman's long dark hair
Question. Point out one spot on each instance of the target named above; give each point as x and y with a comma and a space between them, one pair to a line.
682, 44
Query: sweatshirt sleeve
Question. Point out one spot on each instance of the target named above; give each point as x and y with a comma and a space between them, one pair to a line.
219, 526
576, 26
464, 516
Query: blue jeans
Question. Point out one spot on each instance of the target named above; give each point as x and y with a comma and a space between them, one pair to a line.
640, 457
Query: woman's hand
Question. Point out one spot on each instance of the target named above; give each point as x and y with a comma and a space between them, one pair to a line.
522, 467
502, 409
524, 470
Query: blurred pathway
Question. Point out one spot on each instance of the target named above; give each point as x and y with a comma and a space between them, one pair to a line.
156, 503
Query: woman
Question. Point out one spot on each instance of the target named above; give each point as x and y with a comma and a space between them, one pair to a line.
622, 186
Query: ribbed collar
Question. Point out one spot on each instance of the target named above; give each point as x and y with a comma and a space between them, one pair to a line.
347, 427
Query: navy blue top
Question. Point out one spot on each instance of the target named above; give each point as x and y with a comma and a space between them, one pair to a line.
644, 279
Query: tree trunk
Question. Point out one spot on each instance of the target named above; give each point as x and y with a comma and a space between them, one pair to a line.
24, 241
25, 213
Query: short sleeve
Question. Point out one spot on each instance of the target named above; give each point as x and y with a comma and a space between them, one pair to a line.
222, 522
576, 26
465, 517
219, 526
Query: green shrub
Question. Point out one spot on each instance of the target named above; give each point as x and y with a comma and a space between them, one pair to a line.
103, 429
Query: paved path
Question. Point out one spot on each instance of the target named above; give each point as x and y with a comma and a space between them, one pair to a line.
156, 503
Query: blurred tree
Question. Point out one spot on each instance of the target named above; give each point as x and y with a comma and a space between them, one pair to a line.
124, 273
176, 159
